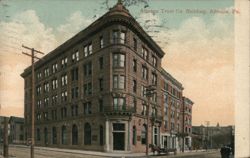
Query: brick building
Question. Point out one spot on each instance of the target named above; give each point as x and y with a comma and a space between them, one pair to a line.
90, 91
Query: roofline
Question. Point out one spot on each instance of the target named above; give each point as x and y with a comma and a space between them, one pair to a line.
168, 76
188, 100
92, 28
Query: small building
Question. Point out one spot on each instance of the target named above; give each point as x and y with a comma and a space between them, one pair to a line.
16, 126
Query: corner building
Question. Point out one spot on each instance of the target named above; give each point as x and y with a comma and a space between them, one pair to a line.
90, 91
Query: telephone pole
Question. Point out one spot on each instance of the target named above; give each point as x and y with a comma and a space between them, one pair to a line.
32, 55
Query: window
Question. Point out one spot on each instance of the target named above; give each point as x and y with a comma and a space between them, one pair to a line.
101, 84
143, 91
54, 136
134, 135
87, 68
38, 90
155, 135
101, 42
39, 104
54, 100
87, 88
134, 103
87, 108
135, 44
64, 62
118, 60
63, 112
54, 68
118, 82
118, 37
46, 140
54, 84
87, 50
64, 80
75, 56
64, 96
166, 124
134, 86
144, 109
101, 108
74, 74
74, 92
39, 75
46, 72
119, 103
74, 135
144, 72
74, 110
38, 134
38, 117
54, 114
46, 102
46, 116
154, 78
101, 133
134, 64
87, 134
154, 61
143, 134
154, 111
101, 62
46, 87
145, 53
64, 135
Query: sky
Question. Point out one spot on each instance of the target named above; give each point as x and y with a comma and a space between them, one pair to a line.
197, 37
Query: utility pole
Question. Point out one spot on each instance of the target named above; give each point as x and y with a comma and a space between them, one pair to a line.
32, 55
5, 138
149, 92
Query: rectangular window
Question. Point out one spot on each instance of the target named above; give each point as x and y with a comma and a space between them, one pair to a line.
101, 108
101, 42
87, 68
87, 88
64, 96
101, 84
64, 80
143, 91
46, 87
75, 56
54, 68
74, 92
118, 60
134, 64
119, 103
134, 86
54, 84
74, 110
46, 72
135, 44
74, 74
87, 108
101, 62
144, 108
145, 53
144, 72
87, 50
64, 62
39, 75
119, 82
118, 37
154, 61
154, 79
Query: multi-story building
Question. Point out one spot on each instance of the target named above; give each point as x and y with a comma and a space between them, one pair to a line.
90, 91
186, 115
172, 114
16, 134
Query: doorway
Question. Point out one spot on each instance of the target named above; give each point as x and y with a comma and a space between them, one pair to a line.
119, 140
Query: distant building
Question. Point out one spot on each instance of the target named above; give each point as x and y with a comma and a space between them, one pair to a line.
16, 126
1, 128
212, 137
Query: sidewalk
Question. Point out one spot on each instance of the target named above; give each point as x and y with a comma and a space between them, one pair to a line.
106, 154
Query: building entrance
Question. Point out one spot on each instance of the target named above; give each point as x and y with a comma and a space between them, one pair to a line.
118, 140
118, 136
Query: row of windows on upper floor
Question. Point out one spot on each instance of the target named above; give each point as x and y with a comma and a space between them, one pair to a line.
119, 104
172, 90
168, 100
117, 37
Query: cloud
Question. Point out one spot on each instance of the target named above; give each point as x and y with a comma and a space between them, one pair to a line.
74, 24
201, 55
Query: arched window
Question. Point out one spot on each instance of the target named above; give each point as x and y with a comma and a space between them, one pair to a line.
87, 134
38, 134
45, 136
101, 135
143, 134
64, 135
54, 136
134, 135
74, 135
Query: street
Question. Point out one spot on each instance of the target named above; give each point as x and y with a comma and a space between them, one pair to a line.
24, 152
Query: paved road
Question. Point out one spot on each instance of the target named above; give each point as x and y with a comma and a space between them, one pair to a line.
17, 152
